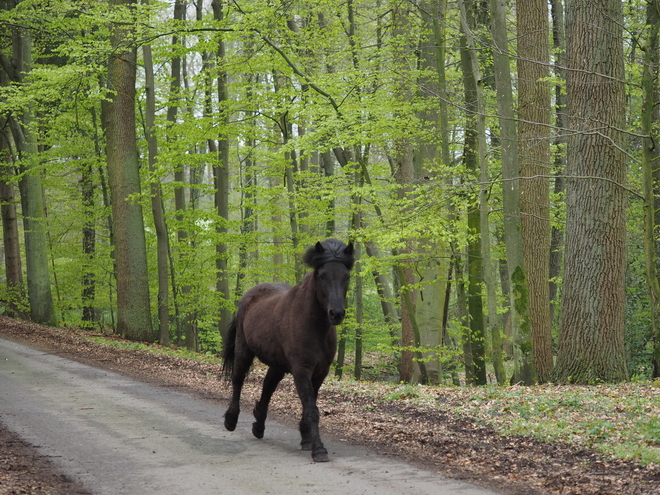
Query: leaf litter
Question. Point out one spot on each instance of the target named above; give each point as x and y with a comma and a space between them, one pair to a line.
517, 440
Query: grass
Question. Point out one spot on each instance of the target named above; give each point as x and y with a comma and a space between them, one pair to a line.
621, 421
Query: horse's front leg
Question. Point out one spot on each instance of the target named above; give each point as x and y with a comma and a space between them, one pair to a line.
309, 425
272, 379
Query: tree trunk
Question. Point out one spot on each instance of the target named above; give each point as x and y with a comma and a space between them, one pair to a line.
162, 238
133, 305
10, 236
462, 315
534, 161
474, 150
430, 298
88, 244
650, 156
404, 174
559, 162
523, 360
650, 166
180, 190
221, 183
32, 199
591, 346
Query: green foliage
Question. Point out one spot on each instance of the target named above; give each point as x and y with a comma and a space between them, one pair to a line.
297, 97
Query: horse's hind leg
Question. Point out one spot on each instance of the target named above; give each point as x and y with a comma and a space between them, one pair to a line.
242, 363
272, 379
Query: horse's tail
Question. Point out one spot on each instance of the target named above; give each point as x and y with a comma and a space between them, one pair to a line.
228, 349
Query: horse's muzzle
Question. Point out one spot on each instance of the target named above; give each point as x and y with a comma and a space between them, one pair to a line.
336, 316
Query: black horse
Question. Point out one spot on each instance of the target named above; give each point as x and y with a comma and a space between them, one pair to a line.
291, 330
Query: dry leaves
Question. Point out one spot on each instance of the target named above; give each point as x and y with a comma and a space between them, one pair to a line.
455, 432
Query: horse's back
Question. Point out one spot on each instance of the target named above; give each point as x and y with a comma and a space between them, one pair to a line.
259, 303
262, 293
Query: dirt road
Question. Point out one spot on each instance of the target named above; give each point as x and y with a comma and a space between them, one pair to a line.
119, 436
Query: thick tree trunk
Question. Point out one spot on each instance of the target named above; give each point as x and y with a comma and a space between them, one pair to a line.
534, 161
133, 304
591, 347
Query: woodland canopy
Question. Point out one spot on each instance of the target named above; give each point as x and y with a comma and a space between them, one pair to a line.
494, 163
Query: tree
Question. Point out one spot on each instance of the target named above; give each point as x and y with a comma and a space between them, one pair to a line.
36, 245
221, 181
10, 234
651, 173
523, 362
534, 163
474, 157
591, 346
133, 304
157, 201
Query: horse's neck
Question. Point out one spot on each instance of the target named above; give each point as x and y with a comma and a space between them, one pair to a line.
306, 291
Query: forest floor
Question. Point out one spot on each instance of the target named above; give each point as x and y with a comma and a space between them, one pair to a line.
436, 439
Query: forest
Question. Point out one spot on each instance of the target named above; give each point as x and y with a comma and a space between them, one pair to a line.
494, 164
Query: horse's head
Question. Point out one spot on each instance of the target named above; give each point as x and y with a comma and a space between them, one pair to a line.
332, 261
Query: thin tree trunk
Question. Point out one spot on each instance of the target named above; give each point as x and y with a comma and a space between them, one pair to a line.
650, 166
474, 157
559, 162
180, 190
221, 182
34, 223
88, 244
523, 360
10, 236
359, 309
162, 238
463, 316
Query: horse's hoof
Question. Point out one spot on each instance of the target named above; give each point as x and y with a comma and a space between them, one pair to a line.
306, 445
230, 423
320, 456
258, 431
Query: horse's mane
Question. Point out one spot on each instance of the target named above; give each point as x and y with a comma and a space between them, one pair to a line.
329, 250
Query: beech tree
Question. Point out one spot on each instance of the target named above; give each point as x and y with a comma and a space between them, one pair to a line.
39, 291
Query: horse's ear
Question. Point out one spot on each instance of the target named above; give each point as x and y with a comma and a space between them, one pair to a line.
319, 247
349, 249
